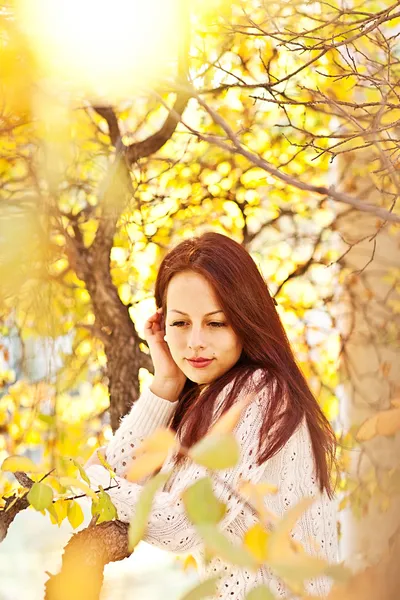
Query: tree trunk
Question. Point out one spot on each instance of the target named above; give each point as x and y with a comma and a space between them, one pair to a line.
369, 320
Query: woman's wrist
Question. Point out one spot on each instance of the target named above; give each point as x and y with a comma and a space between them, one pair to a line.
166, 389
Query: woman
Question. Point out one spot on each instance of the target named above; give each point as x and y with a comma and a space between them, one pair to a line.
215, 307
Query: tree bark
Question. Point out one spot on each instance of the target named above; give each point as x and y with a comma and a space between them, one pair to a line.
84, 558
368, 318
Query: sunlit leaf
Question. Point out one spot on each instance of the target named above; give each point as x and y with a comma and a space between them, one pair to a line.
82, 471
138, 524
218, 543
368, 429
189, 562
290, 518
58, 511
286, 556
338, 572
219, 451
388, 422
105, 464
256, 540
104, 507
76, 483
297, 568
260, 592
19, 463
229, 420
255, 492
40, 496
201, 504
205, 589
385, 423
75, 514
161, 440
145, 465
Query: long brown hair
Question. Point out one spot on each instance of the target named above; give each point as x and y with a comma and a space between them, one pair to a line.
250, 310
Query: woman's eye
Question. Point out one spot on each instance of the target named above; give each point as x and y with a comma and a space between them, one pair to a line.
214, 324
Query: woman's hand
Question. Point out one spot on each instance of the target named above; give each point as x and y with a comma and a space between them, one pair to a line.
165, 368
94, 459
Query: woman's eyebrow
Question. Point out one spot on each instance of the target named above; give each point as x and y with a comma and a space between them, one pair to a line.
206, 315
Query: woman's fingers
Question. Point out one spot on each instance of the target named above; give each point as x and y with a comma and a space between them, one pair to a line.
153, 323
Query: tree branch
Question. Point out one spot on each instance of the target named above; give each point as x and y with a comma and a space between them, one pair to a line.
237, 148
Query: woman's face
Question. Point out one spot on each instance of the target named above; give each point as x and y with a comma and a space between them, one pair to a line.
192, 332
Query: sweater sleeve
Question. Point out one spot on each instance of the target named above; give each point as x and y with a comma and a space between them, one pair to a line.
168, 526
147, 414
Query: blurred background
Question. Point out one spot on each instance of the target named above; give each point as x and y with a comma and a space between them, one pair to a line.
126, 127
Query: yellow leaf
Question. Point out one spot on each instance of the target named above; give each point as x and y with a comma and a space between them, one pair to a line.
229, 420
219, 451
189, 562
291, 517
281, 542
151, 454
72, 482
75, 514
388, 422
19, 463
256, 540
105, 464
216, 541
255, 493
287, 557
368, 429
161, 440
58, 511
145, 465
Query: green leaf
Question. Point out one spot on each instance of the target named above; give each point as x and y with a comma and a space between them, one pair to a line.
219, 451
105, 464
338, 572
48, 419
205, 589
104, 507
298, 567
260, 592
75, 514
138, 524
216, 541
40, 496
201, 504
82, 471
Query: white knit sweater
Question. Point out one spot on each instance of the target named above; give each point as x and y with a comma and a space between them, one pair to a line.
291, 470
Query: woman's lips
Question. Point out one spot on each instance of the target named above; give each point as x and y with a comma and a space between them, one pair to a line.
200, 364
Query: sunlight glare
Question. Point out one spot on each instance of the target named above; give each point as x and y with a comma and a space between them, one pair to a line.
103, 47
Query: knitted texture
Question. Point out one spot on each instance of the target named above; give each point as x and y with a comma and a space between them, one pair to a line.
291, 470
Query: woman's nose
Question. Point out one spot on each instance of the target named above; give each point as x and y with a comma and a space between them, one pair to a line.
196, 339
